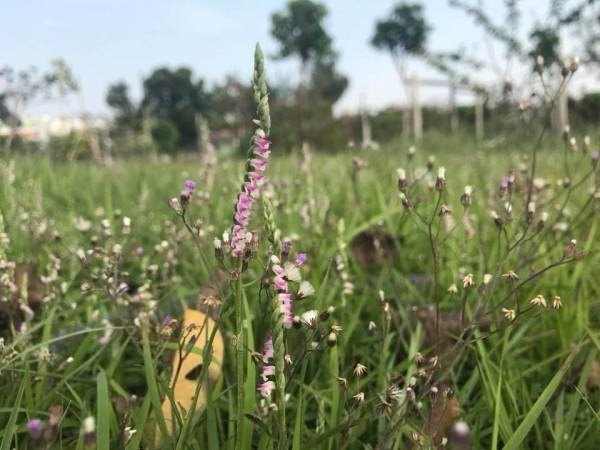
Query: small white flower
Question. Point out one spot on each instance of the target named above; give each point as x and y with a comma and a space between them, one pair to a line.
305, 290
310, 318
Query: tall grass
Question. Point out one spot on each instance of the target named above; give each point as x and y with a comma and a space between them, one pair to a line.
91, 338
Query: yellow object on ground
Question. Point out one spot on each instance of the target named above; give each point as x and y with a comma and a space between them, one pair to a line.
197, 329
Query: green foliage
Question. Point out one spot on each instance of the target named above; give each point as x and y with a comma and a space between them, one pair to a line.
404, 32
584, 112
72, 146
497, 379
21, 88
165, 136
299, 31
126, 114
546, 43
174, 95
326, 83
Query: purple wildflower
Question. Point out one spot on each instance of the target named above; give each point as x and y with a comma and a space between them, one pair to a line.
34, 427
189, 185
300, 259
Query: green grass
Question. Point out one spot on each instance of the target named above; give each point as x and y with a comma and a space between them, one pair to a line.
519, 384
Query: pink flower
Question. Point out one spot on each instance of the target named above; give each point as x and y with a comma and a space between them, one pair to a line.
268, 350
268, 370
278, 270
259, 164
244, 203
266, 388
285, 307
242, 219
280, 283
257, 178
251, 189
262, 147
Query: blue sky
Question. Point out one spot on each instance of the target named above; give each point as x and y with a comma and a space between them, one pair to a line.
104, 41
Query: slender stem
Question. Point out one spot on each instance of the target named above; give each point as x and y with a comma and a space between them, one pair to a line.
239, 352
436, 269
278, 356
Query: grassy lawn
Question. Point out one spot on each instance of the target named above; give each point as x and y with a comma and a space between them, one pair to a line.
404, 290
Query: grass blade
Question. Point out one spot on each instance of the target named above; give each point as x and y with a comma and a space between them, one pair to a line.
12, 421
153, 388
103, 426
530, 419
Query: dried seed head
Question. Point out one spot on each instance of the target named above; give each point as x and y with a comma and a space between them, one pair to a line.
510, 275
565, 69
448, 393
466, 199
509, 314
430, 162
332, 339
360, 398
411, 152
530, 211
497, 219
539, 64
539, 300
467, 280
586, 144
405, 201
573, 143
440, 182
556, 303
543, 219
567, 132
434, 392
360, 370
574, 65
402, 181
418, 358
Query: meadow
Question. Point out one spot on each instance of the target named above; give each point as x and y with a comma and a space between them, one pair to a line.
442, 315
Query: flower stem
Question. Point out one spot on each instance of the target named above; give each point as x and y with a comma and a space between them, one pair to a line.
239, 352
278, 356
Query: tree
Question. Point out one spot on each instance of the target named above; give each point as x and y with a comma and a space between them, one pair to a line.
403, 34
173, 95
18, 89
326, 82
126, 114
300, 32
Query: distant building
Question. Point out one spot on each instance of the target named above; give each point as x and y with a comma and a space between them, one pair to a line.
41, 128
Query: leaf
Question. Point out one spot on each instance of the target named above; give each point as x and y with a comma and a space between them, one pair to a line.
103, 429
529, 421
11, 426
